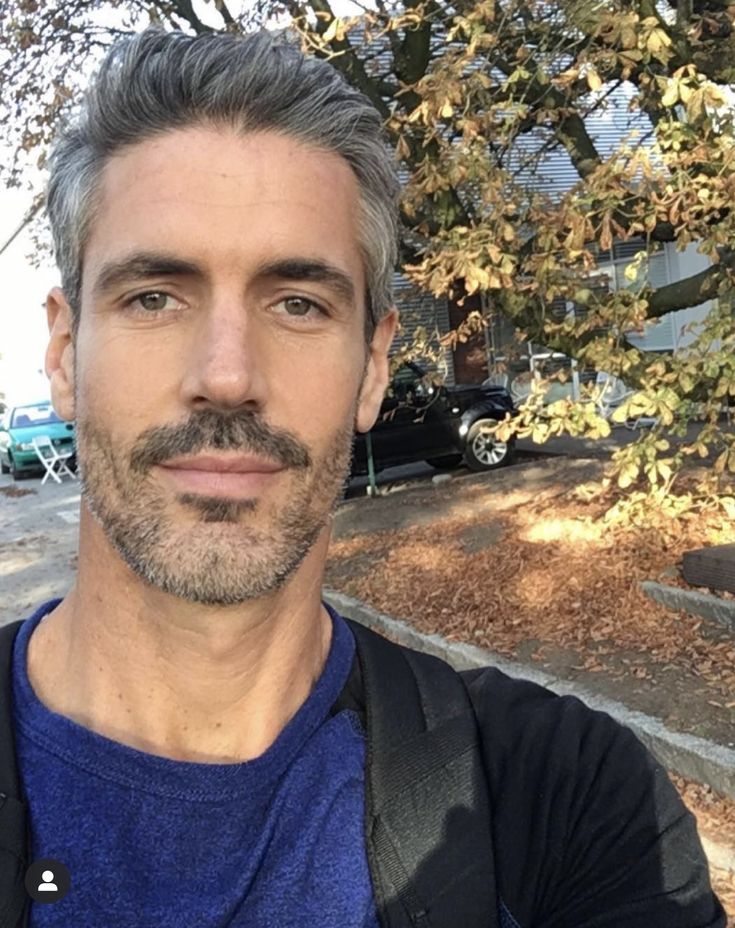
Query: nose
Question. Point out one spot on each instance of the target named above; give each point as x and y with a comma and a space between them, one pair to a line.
224, 369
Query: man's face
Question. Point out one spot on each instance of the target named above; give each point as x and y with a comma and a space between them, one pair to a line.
220, 366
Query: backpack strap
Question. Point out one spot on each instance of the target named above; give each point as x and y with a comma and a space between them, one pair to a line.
427, 806
13, 813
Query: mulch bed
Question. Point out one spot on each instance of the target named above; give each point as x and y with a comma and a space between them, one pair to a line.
558, 576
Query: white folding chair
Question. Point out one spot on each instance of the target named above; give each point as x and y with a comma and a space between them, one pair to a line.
611, 393
55, 462
520, 390
497, 379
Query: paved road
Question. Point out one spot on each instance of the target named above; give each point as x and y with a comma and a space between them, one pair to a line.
38, 540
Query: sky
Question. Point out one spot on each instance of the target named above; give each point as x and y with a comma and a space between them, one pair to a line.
22, 313
23, 331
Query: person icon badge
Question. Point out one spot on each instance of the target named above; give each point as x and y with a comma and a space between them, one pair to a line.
47, 880
48, 886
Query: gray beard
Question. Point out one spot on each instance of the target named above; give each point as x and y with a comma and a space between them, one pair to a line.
219, 559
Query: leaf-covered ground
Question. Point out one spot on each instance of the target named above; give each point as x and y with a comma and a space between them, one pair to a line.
515, 562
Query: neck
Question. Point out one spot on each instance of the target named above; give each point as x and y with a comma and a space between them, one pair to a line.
174, 678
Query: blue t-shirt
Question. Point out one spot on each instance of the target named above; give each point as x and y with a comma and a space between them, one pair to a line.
274, 842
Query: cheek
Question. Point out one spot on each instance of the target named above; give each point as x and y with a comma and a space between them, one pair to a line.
120, 384
320, 400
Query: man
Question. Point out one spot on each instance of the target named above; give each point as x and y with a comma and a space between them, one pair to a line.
189, 724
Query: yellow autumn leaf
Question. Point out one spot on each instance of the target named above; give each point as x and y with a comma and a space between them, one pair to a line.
664, 470
657, 41
620, 414
628, 37
628, 475
601, 429
671, 95
695, 106
331, 30
594, 81
403, 149
540, 433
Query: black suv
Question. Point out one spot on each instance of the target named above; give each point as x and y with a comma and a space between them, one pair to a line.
421, 420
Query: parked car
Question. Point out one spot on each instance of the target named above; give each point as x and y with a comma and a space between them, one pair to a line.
421, 420
20, 425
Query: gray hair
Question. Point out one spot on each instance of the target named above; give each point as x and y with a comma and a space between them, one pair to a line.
159, 81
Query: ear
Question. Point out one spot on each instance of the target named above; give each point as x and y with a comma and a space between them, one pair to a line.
375, 379
60, 353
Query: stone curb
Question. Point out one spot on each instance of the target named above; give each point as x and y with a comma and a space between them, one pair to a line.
690, 756
704, 605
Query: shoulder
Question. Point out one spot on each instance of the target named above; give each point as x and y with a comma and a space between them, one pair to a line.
547, 755
584, 811
517, 715
549, 758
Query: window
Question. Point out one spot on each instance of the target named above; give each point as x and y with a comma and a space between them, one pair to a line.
28, 416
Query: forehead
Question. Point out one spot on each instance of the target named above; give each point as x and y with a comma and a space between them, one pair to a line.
218, 197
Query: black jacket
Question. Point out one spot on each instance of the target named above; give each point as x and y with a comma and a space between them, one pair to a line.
490, 803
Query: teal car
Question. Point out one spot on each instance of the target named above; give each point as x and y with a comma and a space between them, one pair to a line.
20, 425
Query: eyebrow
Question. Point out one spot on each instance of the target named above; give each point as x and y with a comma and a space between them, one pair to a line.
142, 265
311, 270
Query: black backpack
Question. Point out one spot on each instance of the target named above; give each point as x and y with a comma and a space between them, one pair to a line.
427, 809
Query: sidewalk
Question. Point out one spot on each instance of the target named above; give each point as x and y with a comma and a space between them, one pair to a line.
596, 448
38, 543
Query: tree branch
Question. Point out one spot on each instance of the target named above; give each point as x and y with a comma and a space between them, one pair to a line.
224, 12
414, 54
393, 37
185, 10
573, 135
345, 59
27, 219
571, 131
692, 291
684, 11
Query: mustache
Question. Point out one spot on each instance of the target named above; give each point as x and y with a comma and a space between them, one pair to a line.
210, 430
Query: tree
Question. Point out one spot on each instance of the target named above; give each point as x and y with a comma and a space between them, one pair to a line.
475, 94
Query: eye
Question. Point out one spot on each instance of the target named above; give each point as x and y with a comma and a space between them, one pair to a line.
154, 301
299, 307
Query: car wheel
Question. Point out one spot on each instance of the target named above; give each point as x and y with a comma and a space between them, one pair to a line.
447, 462
483, 451
15, 472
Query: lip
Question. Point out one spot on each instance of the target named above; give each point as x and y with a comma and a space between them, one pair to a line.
223, 464
227, 476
